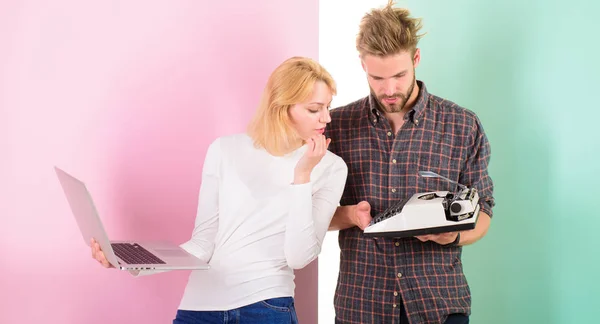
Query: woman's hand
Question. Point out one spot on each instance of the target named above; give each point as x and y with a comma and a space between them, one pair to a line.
317, 147
99, 255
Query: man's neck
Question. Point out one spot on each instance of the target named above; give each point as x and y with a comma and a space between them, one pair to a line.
397, 119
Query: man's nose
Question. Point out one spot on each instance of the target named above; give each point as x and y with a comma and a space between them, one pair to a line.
389, 87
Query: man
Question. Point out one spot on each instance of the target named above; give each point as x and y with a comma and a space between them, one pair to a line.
385, 139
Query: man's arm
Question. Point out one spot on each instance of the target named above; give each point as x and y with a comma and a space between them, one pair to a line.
341, 219
475, 174
474, 235
350, 216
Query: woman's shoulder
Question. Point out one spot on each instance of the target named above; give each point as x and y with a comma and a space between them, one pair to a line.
330, 170
334, 160
233, 142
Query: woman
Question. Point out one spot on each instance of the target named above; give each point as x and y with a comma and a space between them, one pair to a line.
266, 200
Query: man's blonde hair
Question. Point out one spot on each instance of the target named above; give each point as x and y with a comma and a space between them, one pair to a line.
291, 83
388, 31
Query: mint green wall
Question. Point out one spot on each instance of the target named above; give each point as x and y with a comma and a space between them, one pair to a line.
530, 69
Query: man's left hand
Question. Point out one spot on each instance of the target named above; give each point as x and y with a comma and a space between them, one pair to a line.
442, 238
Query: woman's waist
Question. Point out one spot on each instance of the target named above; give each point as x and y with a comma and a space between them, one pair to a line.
229, 288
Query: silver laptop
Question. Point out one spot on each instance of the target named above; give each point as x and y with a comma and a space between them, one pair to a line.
124, 255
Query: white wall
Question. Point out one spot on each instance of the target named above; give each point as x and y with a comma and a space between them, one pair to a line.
338, 26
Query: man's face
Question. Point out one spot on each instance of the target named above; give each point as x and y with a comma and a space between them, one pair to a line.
391, 78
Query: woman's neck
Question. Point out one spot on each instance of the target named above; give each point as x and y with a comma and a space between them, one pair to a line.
293, 147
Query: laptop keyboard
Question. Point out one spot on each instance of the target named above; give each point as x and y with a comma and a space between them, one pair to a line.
133, 253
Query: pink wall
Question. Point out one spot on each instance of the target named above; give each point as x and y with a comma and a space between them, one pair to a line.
127, 96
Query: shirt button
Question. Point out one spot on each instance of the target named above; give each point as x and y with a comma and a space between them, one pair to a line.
395, 305
394, 161
399, 275
417, 121
397, 243
393, 189
395, 293
389, 133
375, 121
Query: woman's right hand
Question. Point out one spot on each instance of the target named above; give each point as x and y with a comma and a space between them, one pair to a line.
99, 255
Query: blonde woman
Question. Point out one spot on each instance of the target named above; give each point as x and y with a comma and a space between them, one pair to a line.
266, 200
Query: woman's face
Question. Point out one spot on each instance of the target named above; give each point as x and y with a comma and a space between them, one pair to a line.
309, 118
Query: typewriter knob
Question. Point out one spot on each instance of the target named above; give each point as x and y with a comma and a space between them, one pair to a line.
455, 207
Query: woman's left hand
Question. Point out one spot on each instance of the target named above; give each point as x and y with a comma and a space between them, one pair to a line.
317, 147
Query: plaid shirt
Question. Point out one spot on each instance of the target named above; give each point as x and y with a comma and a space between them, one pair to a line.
376, 274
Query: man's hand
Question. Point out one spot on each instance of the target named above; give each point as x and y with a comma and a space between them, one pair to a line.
442, 238
466, 237
362, 214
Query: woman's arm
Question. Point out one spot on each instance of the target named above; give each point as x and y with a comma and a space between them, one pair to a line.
202, 242
310, 215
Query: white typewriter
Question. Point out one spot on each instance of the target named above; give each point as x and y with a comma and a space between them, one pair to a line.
428, 212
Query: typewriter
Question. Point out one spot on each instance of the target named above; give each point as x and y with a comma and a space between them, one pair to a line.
428, 212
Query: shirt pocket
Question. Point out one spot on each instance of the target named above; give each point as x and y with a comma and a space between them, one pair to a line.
443, 159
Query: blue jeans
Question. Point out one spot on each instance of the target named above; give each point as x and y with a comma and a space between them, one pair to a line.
275, 310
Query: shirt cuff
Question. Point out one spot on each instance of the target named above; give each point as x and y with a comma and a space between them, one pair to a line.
486, 208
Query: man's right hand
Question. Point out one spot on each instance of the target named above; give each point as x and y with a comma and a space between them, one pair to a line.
362, 214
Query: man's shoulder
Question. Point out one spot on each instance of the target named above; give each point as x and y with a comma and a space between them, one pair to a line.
346, 117
350, 110
442, 105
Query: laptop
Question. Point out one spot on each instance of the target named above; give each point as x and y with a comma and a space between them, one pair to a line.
123, 255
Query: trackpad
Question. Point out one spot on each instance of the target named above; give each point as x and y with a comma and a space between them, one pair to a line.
172, 253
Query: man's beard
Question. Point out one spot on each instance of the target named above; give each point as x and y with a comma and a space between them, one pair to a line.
399, 105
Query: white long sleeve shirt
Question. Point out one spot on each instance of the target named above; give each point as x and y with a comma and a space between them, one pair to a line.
254, 226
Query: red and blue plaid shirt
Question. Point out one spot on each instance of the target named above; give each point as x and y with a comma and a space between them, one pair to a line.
376, 274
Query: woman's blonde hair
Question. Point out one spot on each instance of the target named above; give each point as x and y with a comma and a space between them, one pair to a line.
291, 83
388, 31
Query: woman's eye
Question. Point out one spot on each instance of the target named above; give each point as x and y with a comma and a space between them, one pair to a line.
313, 111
